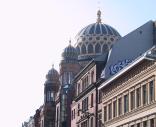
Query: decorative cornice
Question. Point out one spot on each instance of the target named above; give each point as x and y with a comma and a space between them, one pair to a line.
125, 85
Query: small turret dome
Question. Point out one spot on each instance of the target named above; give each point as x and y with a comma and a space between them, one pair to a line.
52, 76
70, 53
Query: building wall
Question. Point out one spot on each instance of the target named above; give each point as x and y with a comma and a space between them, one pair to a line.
99, 112
78, 115
83, 109
122, 88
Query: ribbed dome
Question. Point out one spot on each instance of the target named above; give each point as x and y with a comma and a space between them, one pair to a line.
95, 39
98, 29
69, 53
52, 76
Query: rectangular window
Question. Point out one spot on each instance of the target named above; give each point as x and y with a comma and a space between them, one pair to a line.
110, 111
145, 124
78, 88
126, 104
138, 97
49, 96
82, 105
151, 91
99, 123
84, 124
99, 120
100, 96
114, 108
138, 125
91, 122
83, 85
78, 107
132, 95
92, 100
85, 104
105, 113
144, 92
120, 106
74, 114
87, 81
92, 77
152, 123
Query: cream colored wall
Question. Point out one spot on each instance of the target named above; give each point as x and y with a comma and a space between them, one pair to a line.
138, 80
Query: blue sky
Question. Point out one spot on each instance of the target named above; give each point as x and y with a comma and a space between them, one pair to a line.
33, 34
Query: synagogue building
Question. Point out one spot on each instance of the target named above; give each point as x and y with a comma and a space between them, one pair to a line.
104, 80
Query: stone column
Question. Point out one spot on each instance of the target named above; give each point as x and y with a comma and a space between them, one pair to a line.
148, 123
122, 100
154, 90
141, 95
129, 101
117, 107
148, 93
135, 92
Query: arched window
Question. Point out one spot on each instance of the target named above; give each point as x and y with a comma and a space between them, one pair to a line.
83, 49
104, 48
98, 48
90, 48
78, 50
50, 96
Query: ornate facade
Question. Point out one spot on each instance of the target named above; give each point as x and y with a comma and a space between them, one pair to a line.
51, 86
69, 67
105, 80
93, 45
84, 106
93, 42
128, 96
130, 99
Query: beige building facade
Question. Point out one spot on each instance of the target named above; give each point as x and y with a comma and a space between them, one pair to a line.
129, 97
